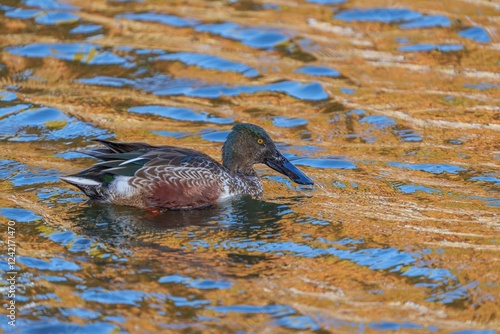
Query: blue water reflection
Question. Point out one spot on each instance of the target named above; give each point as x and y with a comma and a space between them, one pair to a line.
54, 326
256, 37
215, 136
91, 54
6, 96
19, 215
197, 283
385, 15
170, 20
210, 62
103, 296
25, 123
165, 85
21, 175
327, 2
482, 86
298, 322
53, 264
250, 236
180, 114
51, 18
49, 5
429, 21
289, 122
327, 162
477, 34
318, 71
408, 135
391, 259
22, 13
412, 188
379, 121
430, 168
431, 47
86, 29
489, 179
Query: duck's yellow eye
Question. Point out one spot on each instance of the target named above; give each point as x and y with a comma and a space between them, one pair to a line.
260, 141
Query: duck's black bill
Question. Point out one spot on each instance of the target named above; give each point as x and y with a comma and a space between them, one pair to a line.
281, 164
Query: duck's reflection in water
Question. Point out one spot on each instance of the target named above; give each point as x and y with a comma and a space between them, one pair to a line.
240, 217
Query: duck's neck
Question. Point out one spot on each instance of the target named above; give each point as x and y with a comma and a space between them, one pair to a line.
236, 161
237, 167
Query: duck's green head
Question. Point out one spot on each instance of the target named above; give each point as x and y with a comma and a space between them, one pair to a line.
249, 144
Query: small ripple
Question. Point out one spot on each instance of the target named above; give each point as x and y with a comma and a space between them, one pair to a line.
489, 179
431, 47
379, 121
385, 15
430, 168
327, 2
184, 302
75, 242
19, 215
481, 86
22, 13
474, 331
180, 114
394, 326
22, 175
53, 18
210, 62
273, 310
408, 135
115, 297
86, 29
82, 313
53, 279
489, 201
54, 264
289, 122
261, 38
298, 322
198, 283
177, 135
411, 189
428, 21
349, 91
42, 326
49, 5
23, 124
477, 34
170, 20
6, 96
165, 85
319, 71
335, 163
90, 54
216, 136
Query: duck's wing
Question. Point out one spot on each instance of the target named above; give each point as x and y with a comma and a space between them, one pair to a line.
174, 178
126, 159
166, 176
117, 147
179, 179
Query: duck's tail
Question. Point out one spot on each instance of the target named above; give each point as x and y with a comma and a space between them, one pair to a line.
92, 188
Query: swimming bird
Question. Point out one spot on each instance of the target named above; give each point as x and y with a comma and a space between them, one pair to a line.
169, 177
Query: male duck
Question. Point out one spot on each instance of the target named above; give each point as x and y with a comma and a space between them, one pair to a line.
168, 177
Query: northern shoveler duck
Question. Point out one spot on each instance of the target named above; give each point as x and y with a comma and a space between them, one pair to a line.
168, 177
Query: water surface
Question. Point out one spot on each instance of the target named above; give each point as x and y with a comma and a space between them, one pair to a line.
391, 108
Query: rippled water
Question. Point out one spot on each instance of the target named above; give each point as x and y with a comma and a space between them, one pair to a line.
391, 107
